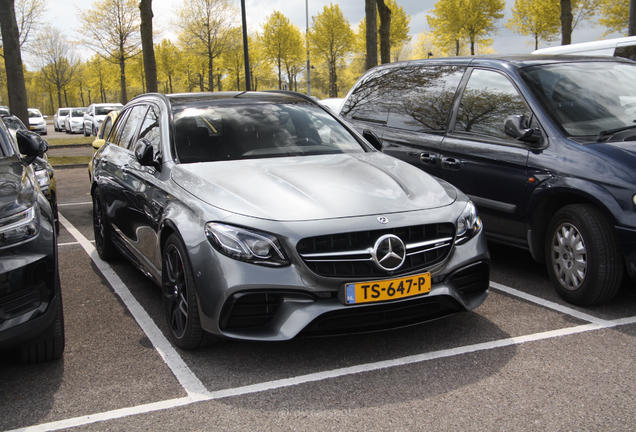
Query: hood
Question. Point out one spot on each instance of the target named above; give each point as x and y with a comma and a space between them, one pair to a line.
314, 187
624, 151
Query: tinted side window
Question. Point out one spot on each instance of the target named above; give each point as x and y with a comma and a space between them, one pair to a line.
150, 128
489, 98
127, 130
106, 127
626, 51
368, 101
422, 97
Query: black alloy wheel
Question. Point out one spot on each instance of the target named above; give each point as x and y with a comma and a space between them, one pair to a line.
180, 299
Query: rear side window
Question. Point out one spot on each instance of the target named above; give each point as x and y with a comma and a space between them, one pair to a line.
489, 98
422, 97
626, 51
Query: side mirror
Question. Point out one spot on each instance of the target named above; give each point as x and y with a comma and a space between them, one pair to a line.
31, 145
373, 139
98, 143
145, 154
516, 126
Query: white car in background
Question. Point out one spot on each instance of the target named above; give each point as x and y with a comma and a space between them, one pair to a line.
95, 115
58, 119
334, 104
74, 122
37, 122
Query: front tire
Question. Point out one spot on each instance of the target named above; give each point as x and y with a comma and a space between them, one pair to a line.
84, 131
101, 228
51, 346
584, 258
180, 298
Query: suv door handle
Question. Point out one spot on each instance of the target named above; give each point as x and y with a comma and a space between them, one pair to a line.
451, 163
428, 158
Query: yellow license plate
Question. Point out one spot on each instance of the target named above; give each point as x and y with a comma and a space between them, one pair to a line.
390, 289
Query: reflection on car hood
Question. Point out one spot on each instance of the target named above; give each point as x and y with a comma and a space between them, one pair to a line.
624, 151
314, 187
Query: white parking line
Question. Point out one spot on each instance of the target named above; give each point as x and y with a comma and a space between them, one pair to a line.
74, 204
197, 392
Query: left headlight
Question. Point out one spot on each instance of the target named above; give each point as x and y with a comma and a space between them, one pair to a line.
42, 175
468, 224
246, 245
20, 226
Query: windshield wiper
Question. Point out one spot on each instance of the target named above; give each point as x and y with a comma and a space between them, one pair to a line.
604, 133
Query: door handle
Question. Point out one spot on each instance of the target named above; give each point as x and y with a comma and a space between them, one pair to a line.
428, 158
451, 163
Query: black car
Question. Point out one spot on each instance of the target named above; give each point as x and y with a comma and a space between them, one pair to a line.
31, 315
543, 145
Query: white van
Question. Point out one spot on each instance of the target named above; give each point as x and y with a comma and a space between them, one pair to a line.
619, 47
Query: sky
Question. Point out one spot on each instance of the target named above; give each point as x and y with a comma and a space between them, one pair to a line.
61, 15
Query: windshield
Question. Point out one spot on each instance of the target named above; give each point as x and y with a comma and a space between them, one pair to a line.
63, 112
78, 112
586, 98
34, 113
259, 130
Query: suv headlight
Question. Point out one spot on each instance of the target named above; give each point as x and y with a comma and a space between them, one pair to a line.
20, 226
468, 224
42, 175
246, 245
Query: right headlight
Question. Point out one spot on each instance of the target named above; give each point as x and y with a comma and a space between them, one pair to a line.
20, 226
468, 224
246, 245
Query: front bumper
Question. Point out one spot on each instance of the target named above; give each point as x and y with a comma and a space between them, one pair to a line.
38, 128
243, 301
76, 127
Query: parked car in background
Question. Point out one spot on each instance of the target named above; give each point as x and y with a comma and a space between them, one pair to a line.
37, 122
58, 119
44, 172
102, 134
31, 314
618, 47
95, 114
334, 104
74, 122
543, 145
257, 227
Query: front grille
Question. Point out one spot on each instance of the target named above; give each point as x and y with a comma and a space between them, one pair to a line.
472, 279
349, 254
250, 310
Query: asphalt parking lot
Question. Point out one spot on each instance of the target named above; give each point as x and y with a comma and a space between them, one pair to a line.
523, 361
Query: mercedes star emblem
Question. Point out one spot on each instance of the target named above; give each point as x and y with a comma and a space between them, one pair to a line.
389, 252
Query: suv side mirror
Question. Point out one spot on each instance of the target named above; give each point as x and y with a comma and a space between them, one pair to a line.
145, 154
373, 139
516, 126
31, 145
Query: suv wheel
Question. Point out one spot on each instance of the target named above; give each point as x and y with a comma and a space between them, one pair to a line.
584, 259
84, 131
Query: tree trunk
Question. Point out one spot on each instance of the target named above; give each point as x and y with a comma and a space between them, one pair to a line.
210, 71
631, 20
122, 82
566, 22
16, 85
147, 45
372, 33
385, 32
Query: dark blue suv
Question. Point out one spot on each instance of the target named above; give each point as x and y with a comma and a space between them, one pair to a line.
545, 146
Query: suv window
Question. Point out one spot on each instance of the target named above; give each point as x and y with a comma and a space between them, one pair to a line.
368, 100
421, 97
125, 131
489, 98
